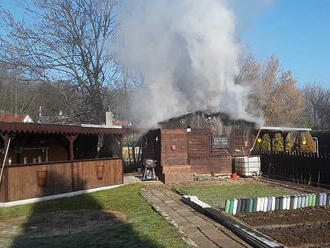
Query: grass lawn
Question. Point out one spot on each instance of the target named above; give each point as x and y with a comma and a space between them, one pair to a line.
216, 194
142, 227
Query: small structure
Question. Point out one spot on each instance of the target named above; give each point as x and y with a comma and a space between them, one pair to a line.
48, 159
198, 142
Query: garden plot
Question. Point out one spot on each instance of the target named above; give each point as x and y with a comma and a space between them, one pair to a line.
303, 227
307, 227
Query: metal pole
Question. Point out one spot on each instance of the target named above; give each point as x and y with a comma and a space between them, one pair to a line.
4, 160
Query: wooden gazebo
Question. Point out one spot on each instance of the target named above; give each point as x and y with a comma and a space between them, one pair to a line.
47, 159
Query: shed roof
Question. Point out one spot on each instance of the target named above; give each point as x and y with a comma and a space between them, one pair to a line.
16, 127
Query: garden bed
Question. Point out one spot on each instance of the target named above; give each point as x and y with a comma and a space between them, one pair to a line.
308, 227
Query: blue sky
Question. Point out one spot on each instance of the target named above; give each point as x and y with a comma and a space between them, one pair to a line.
296, 31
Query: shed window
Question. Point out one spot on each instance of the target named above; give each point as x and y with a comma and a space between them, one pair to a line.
220, 142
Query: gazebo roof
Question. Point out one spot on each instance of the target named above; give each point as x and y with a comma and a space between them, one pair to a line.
15, 127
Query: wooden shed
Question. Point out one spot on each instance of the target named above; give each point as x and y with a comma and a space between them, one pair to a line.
198, 142
46, 159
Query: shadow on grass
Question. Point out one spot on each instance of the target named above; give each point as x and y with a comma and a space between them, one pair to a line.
77, 222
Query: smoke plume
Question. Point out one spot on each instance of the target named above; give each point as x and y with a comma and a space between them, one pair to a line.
186, 52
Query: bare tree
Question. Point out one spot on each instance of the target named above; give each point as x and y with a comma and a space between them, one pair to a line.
317, 110
69, 41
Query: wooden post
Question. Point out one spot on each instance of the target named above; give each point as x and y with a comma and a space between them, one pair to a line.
5, 144
71, 139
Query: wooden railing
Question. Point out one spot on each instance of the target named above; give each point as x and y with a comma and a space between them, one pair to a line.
307, 168
30, 181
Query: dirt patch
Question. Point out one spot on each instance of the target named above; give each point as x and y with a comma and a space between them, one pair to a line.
307, 227
301, 235
297, 216
58, 223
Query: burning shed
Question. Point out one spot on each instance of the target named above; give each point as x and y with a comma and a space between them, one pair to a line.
198, 142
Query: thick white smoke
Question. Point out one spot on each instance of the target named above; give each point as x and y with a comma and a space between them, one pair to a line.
186, 52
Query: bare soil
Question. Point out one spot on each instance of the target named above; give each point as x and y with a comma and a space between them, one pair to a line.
307, 227
58, 223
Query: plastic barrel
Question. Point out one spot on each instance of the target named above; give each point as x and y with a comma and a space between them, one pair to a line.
313, 200
282, 202
325, 199
308, 200
269, 204
235, 207
261, 203
322, 199
277, 203
317, 200
295, 202
291, 201
288, 202
258, 204
239, 202
251, 205
273, 203
328, 199
227, 206
246, 206
231, 206
264, 203
255, 201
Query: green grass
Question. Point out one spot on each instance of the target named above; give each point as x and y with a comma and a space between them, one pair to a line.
143, 228
215, 195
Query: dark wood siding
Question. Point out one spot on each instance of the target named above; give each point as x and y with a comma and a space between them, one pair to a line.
21, 182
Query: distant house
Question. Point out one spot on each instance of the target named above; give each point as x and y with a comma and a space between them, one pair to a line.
10, 117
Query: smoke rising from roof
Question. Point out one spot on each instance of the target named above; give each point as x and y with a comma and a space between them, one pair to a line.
186, 52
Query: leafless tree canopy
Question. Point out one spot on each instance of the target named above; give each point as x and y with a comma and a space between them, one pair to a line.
317, 110
69, 41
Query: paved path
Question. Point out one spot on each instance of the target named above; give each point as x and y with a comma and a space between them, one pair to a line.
197, 230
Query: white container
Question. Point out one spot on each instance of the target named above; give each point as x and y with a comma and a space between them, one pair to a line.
273, 203
247, 166
295, 202
266, 204
235, 206
288, 201
258, 203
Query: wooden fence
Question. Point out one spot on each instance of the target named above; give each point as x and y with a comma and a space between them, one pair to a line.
30, 181
306, 168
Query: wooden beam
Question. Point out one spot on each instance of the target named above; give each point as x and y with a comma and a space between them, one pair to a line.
71, 139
